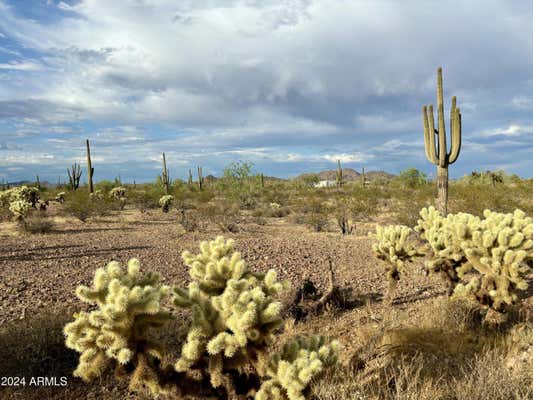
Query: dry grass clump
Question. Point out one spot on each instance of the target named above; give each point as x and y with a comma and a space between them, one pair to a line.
36, 222
437, 351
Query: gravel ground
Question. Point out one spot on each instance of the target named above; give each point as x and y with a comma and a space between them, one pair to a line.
40, 273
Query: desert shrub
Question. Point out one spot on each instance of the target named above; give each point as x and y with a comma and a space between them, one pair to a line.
410, 178
105, 186
229, 350
189, 220
36, 222
222, 213
18, 201
275, 210
82, 206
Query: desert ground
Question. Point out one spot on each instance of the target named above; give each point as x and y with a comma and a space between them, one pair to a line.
415, 344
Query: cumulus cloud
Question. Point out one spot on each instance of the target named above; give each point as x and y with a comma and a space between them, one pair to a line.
309, 81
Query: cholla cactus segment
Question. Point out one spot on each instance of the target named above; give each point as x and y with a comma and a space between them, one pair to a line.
19, 209
128, 304
291, 370
118, 193
215, 265
234, 312
394, 247
165, 202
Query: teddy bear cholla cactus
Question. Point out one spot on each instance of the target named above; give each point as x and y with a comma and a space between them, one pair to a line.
292, 369
165, 202
500, 248
235, 312
395, 247
444, 243
128, 304
226, 352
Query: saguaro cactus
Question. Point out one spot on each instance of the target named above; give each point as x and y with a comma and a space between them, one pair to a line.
74, 175
200, 178
438, 154
90, 169
363, 178
189, 182
165, 178
338, 177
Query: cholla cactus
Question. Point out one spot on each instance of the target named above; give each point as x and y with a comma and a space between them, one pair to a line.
394, 247
19, 209
235, 312
118, 193
60, 197
291, 370
97, 194
165, 202
444, 238
20, 193
500, 248
275, 206
128, 304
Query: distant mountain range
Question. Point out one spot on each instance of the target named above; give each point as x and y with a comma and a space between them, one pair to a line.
348, 174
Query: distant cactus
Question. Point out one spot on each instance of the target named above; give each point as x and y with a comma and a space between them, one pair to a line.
90, 169
60, 197
119, 194
291, 370
128, 305
437, 153
74, 175
200, 178
165, 202
165, 177
338, 175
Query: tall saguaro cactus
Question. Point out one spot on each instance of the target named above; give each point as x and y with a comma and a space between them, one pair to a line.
435, 142
165, 178
90, 169
200, 179
339, 177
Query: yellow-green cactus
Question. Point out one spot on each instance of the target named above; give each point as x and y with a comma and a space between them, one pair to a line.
118, 192
291, 370
500, 248
165, 202
234, 311
19, 209
128, 304
444, 236
394, 247
19, 199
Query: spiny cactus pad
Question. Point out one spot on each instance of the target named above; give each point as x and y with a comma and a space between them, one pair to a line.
291, 370
128, 304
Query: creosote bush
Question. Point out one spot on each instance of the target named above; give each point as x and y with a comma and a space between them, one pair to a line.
229, 350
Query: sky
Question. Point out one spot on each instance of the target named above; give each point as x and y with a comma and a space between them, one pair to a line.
288, 85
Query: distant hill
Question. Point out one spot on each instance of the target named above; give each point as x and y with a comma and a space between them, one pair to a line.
349, 174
